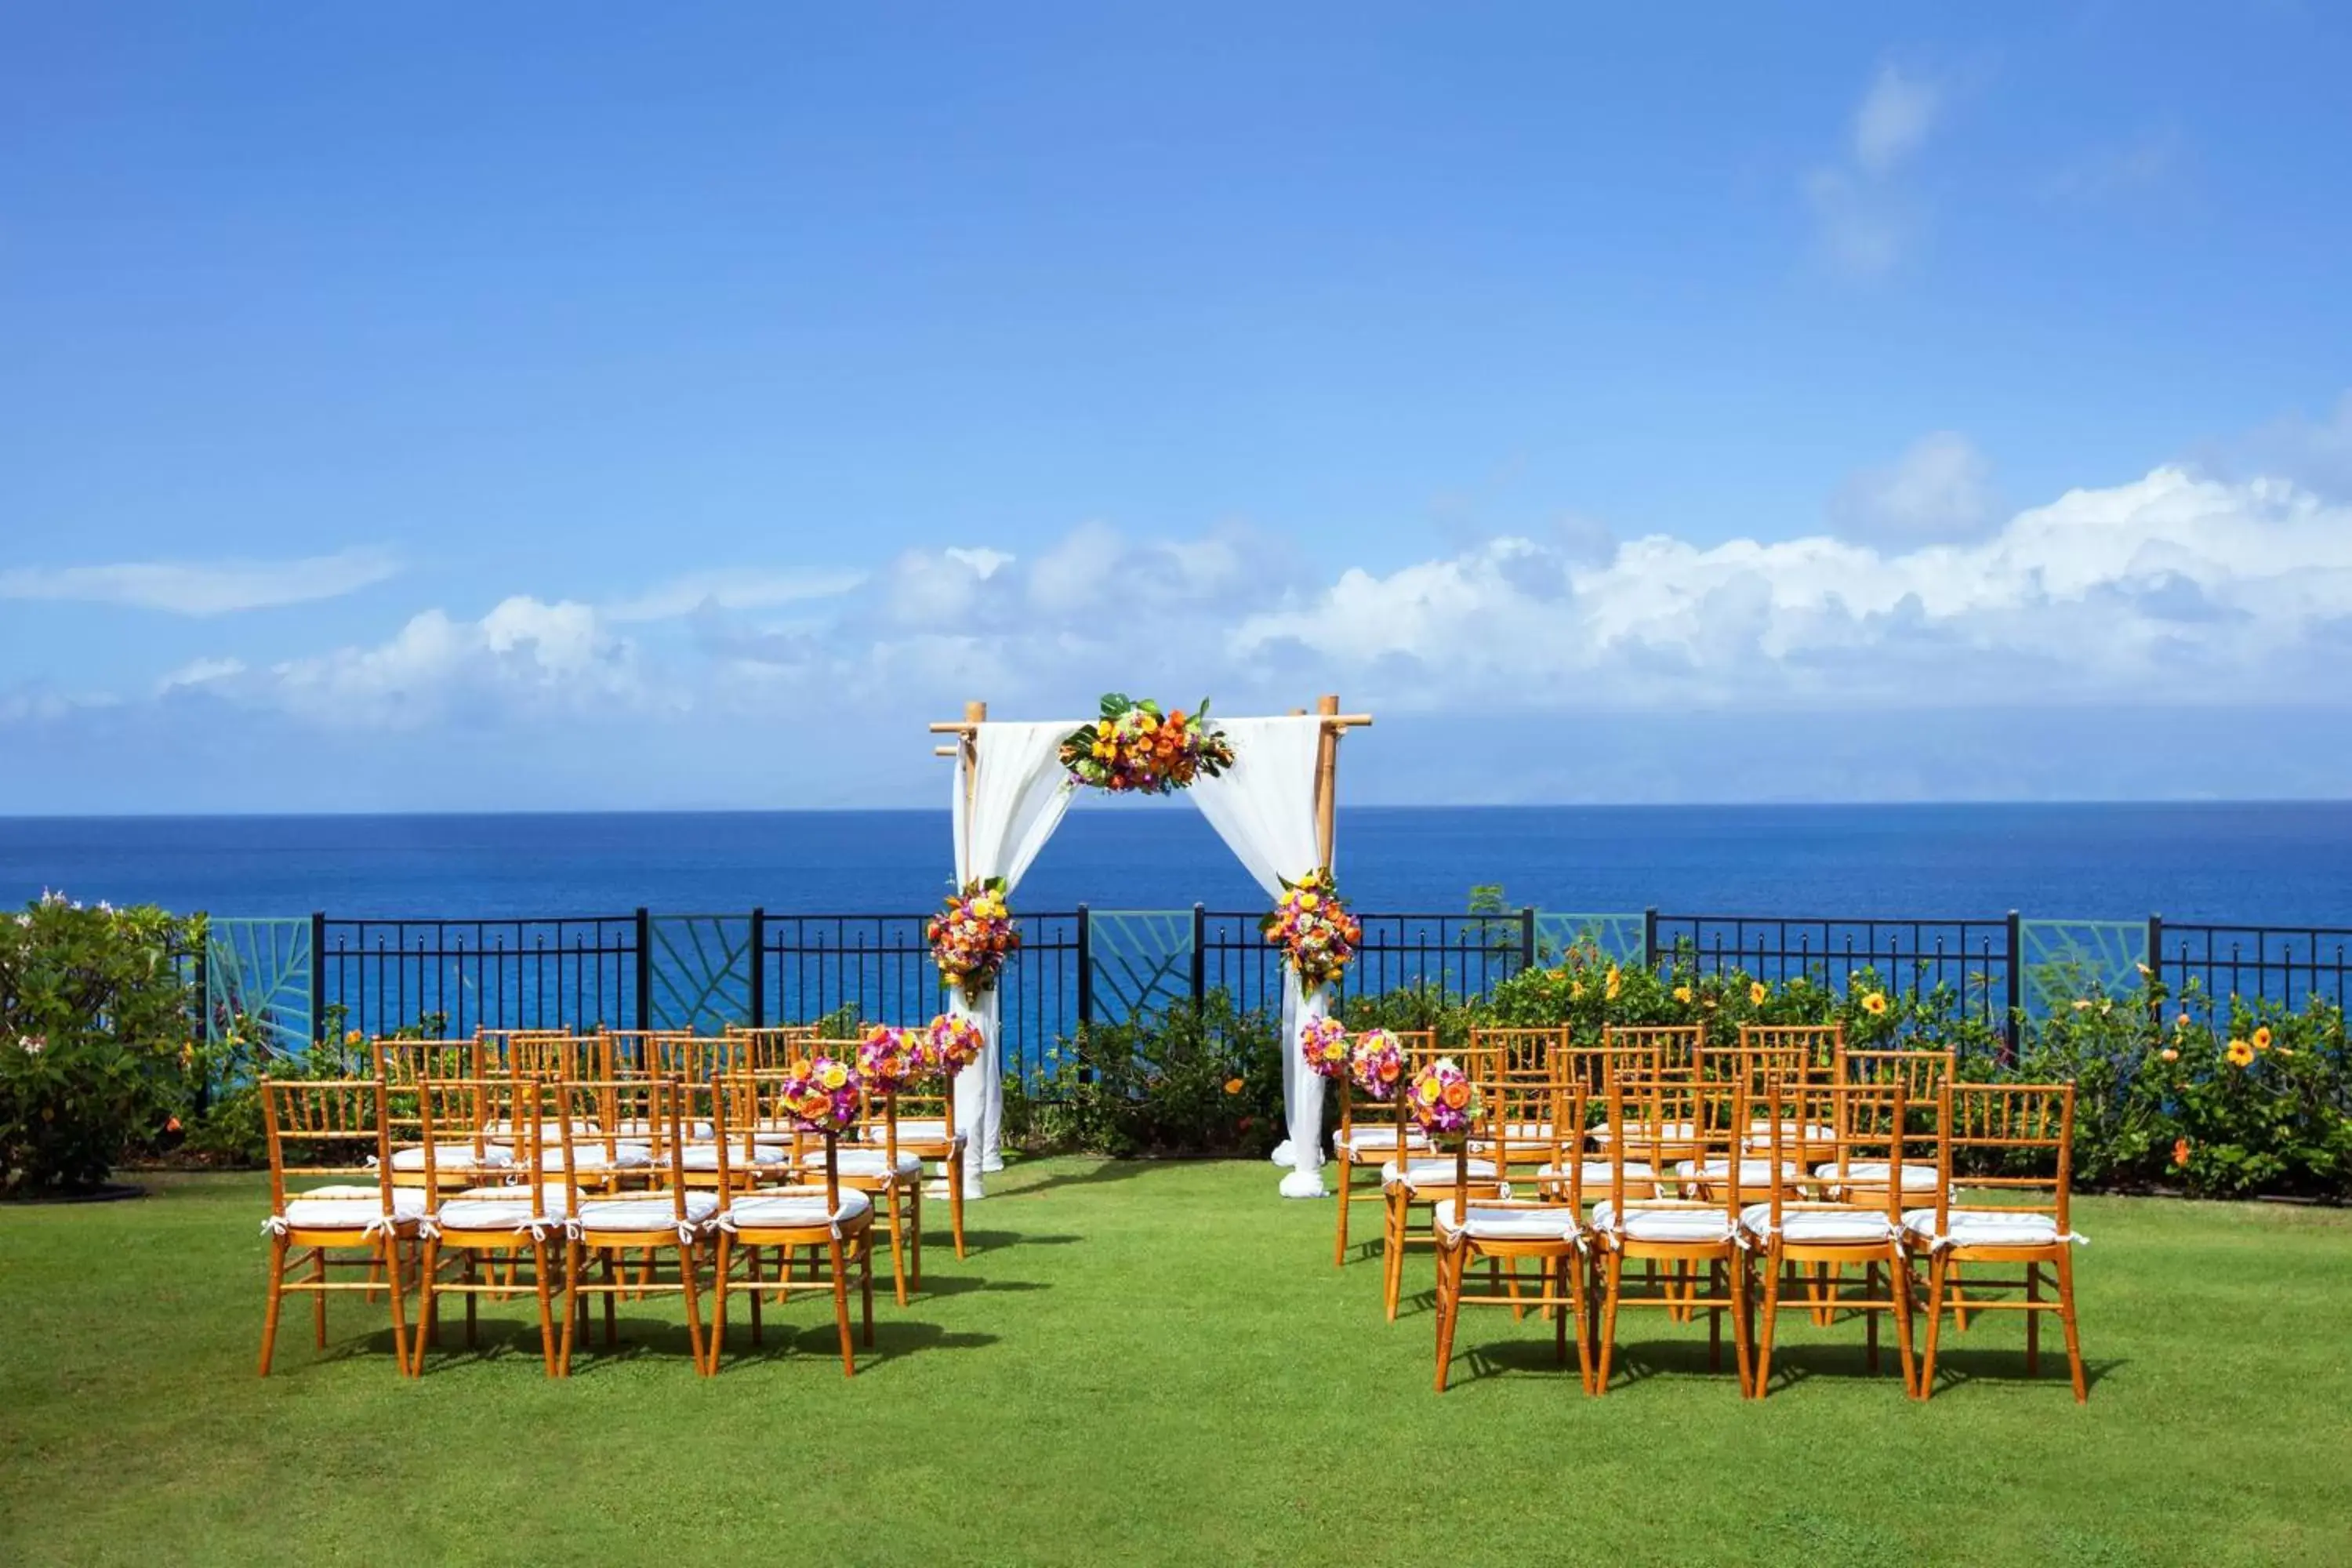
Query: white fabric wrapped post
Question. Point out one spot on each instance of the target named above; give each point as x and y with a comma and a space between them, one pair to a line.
1263, 808
1003, 815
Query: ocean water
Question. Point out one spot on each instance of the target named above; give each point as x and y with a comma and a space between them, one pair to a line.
2262, 863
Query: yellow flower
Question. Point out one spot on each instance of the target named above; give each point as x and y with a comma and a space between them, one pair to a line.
1757, 992
833, 1076
354, 1038
1682, 993
1232, 1086
2168, 1053
1615, 981
1307, 900
1874, 1004
2082, 1003
2262, 1038
2240, 1054
1427, 1092
1576, 991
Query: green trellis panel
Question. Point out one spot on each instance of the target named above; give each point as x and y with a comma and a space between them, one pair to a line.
1141, 959
2061, 960
260, 968
1619, 936
698, 968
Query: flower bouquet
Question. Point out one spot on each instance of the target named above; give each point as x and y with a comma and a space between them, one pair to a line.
1443, 1100
822, 1095
956, 1042
971, 936
1136, 747
1313, 928
1324, 1043
890, 1057
1375, 1063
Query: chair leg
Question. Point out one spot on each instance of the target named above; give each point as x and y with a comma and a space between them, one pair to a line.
613, 1267
576, 1313
2066, 1321
1392, 1258
1742, 1325
276, 1298
1571, 1275
751, 1274
2032, 1320
1870, 1316
1450, 1262
1824, 1309
866, 1283
1771, 1311
841, 1309
1613, 1282
725, 1259
955, 1201
388, 1259
1938, 1269
689, 1272
1899, 1287
1347, 1175
546, 1303
897, 1249
429, 1306
473, 1276
319, 1297
915, 1237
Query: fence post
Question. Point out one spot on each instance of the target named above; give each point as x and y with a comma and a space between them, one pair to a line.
1650, 937
759, 987
644, 968
318, 975
1527, 936
1085, 968
1199, 956
2156, 965
2009, 1027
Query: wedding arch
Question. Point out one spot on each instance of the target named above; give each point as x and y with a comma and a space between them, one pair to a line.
1275, 806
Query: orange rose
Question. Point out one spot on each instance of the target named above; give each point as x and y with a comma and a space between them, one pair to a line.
1457, 1095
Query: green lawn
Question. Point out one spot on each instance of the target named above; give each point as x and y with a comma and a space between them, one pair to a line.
1157, 1364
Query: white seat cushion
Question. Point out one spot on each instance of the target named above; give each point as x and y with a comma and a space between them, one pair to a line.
1487, 1223
455, 1158
1597, 1174
1435, 1173
549, 1132
1664, 1132
1380, 1140
1759, 1132
646, 1214
637, 1127
350, 1207
593, 1157
502, 1208
794, 1210
1821, 1227
1873, 1174
1699, 1226
1987, 1227
704, 1156
1753, 1173
871, 1163
920, 1130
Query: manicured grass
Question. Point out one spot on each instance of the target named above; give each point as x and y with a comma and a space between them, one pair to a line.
1157, 1364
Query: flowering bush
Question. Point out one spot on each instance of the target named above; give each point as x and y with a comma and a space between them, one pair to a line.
890, 1057
956, 1043
1312, 926
822, 1095
1443, 1101
95, 1040
1134, 747
1324, 1043
971, 935
1376, 1063
1197, 1078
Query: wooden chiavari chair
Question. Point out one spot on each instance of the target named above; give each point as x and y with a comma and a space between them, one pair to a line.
875, 1164
1548, 1229
2006, 1125
1368, 1134
403, 1065
772, 1047
602, 1135
828, 1218
545, 1054
506, 1225
927, 1130
331, 1126
1858, 1228
1418, 1182
669, 1216
1651, 1052
766, 1156
1526, 1063
1922, 1075
1693, 1235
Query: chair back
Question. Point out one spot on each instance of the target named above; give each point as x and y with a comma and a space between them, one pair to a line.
2016, 1138
750, 1103
1922, 1073
1659, 1120
531, 1053
772, 1047
594, 1114
1521, 1092
463, 1113
1869, 1127
1655, 1047
1515, 1049
332, 1127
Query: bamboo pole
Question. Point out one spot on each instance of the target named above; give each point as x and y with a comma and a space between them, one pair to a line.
1327, 769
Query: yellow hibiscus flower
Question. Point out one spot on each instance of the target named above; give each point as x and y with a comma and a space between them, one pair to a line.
1757, 992
2262, 1038
1874, 1004
1683, 995
2240, 1054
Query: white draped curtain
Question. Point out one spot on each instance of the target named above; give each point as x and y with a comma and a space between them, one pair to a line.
1263, 807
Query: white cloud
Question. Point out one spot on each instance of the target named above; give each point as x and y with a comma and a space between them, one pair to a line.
200, 588
732, 589
2315, 452
1893, 119
200, 672
1940, 488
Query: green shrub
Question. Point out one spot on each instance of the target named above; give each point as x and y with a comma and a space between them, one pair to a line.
95, 1048
1202, 1078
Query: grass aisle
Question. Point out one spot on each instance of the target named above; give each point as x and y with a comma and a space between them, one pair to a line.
1157, 1363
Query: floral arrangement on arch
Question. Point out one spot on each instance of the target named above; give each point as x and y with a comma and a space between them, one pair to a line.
1375, 1063
821, 1094
972, 936
890, 1057
1134, 748
1312, 925
955, 1042
1443, 1100
1324, 1043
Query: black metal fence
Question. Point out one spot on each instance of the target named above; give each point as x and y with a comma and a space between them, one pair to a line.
703, 970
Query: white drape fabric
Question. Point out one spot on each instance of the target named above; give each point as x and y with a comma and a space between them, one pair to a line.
1263, 808
1015, 800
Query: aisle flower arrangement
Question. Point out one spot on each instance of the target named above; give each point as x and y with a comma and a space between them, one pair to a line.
972, 936
955, 1043
1313, 926
1443, 1100
821, 1094
1375, 1063
890, 1057
1135, 748
1324, 1042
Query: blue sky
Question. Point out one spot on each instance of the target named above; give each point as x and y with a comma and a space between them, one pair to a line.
421, 406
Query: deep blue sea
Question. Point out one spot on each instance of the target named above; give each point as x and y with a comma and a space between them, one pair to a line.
2267, 863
